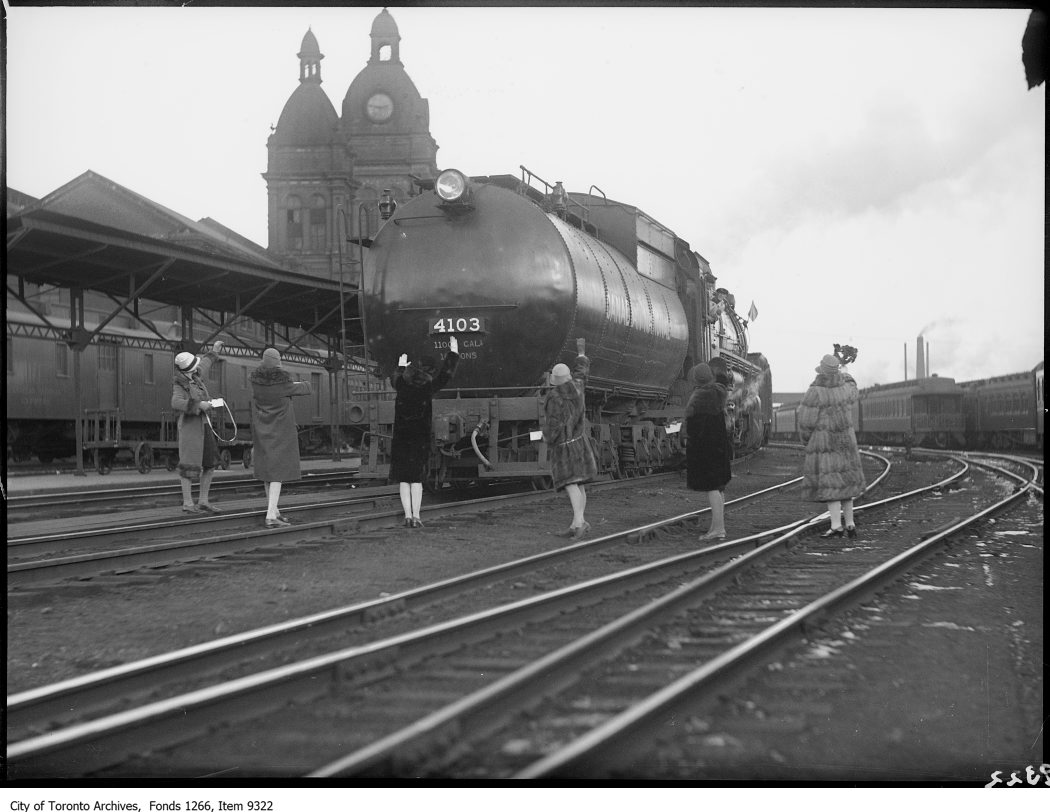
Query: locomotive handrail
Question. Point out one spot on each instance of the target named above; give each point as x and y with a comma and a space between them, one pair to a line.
569, 201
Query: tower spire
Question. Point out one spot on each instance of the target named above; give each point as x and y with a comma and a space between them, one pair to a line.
310, 57
385, 34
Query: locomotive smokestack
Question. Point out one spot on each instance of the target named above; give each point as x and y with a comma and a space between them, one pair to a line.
920, 360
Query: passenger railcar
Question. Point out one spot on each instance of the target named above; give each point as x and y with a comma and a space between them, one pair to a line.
520, 271
785, 423
126, 396
920, 412
923, 412
1006, 411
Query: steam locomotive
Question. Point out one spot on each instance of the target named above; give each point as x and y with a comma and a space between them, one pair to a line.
523, 273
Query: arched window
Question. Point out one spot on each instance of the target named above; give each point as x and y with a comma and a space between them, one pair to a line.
294, 223
318, 218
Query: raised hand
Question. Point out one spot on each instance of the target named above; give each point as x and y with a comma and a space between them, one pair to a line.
217, 346
403, 360
453, 345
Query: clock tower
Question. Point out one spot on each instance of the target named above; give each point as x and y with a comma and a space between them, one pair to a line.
386, 124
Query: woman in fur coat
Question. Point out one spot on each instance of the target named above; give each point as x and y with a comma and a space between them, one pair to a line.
832, 471
572, 461
275, 435
707, 450
416, 384
198, 451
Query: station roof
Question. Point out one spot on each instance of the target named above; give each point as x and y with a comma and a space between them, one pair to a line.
97, 235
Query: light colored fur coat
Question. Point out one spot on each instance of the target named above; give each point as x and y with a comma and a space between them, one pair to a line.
832, 469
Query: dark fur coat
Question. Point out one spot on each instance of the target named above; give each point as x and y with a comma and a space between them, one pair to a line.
707, 450
413, 411
571, 458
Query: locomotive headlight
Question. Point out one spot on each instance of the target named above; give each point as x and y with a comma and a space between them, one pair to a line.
452, 187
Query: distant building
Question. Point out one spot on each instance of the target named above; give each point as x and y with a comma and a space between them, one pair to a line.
327, 174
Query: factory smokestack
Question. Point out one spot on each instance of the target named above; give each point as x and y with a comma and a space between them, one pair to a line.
920, 360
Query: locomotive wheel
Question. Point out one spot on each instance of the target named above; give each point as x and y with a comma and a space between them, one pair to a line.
224, 459
144, 458
247, 458
103, 463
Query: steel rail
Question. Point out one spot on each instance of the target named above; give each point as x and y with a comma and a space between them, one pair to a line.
100, 742
84, 694
171, 721
474, 714
620, 737
104, 494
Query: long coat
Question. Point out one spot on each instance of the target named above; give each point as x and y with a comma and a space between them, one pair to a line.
831, 470
275, 435
571, 458
187, 392
413, 411
707, 450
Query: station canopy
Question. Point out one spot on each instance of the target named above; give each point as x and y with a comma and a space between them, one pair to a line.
93, 234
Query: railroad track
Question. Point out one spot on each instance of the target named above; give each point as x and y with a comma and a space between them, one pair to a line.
397, 663
24, 507
109, 549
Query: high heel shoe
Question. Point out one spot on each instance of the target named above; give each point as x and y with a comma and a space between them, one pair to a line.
416, 522
833, 533
709, 536
578, 533
278, 522
851, 532
409, 522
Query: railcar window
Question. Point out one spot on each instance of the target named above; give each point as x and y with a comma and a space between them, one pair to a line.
107, 357
147, 368
61, 360
315, 384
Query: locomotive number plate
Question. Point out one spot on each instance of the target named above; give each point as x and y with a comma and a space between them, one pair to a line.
458, 324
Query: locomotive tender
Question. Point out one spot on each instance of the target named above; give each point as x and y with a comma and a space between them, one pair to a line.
520, 274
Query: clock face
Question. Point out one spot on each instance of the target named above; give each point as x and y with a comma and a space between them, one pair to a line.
379, 107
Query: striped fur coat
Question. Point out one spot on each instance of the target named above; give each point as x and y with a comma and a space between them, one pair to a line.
832, 469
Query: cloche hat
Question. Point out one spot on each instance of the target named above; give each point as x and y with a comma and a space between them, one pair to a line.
271, 358
560, 374
701, 374
828, 364
187, 362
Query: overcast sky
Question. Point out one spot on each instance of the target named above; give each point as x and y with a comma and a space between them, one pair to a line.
862, 175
